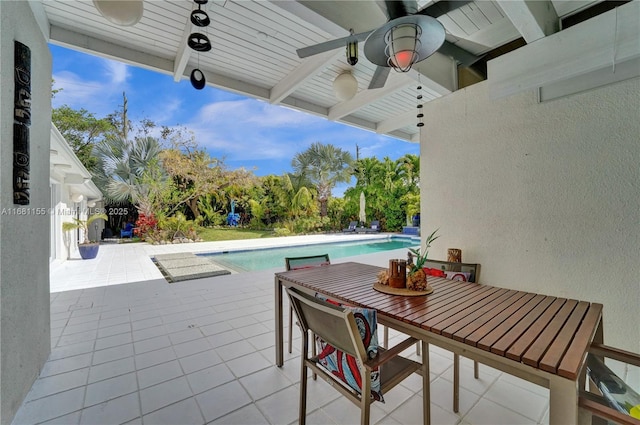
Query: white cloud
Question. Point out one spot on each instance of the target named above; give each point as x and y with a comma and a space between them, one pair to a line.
117, 73
250, 129
75, 91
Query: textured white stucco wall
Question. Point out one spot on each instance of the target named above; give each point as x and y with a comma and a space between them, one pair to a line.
545, 196
24, 251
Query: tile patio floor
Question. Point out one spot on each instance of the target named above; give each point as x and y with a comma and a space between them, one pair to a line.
129, 348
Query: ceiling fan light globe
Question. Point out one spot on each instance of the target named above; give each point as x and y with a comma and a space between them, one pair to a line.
402, 46
125, 13
345, 86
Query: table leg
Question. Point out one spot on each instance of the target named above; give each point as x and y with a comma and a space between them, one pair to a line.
563, 397
426, 386
279, 326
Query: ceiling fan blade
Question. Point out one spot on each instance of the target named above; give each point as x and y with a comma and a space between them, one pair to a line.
398, 9
459, 54
379, 77
330, 45
443, 7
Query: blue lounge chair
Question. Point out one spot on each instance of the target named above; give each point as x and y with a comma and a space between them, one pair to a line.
127, 232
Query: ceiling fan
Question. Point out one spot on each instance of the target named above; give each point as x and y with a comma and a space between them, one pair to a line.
409, 36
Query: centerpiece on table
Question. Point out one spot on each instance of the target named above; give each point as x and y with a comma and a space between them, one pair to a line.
414, 278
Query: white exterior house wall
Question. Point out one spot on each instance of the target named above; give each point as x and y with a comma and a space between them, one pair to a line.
25, 339
545, 196
69, 180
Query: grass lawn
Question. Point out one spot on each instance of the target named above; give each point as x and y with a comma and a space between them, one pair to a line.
211, 235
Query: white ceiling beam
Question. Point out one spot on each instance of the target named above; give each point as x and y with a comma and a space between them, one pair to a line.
311, 66
398, 121
184, 53
365, 97
88, 44
124, 54
349, 120
308, 69
437, 76
41, 17
614, 37
534, 19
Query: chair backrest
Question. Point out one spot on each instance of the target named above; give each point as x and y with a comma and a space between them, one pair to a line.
447, 266
612, 398
353, 225
294, 263
375, 224
334, 324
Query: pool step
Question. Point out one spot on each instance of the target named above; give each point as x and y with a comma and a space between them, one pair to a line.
187, 266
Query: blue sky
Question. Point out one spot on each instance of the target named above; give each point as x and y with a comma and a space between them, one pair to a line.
245, 132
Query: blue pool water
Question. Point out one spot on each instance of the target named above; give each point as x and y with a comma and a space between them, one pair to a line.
262, 259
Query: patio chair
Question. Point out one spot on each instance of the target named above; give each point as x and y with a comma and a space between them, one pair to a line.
127, 232
374, 227
378, 370
295, 263
465, 272
351, 228
609, 398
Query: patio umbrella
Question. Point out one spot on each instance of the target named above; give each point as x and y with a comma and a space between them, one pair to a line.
363, 214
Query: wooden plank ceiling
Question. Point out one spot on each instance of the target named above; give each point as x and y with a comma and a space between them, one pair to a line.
255, 42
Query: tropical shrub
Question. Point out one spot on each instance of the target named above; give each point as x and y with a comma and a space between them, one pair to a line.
281, 231
146, 226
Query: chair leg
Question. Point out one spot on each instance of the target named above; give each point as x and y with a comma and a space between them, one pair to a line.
302, 415
365, 396
313, 352
290, 328
476, 373
456, 382
386, 337
418, 350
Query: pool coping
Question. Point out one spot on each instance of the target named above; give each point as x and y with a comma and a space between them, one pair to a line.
378, 236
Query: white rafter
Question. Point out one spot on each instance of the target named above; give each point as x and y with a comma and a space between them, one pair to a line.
397, 121
534, 19
308, 69
184, 53
365, 97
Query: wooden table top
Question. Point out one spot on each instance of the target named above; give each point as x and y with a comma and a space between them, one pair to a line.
545, 332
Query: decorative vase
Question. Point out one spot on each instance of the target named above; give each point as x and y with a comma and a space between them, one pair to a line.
397, 273
88, 250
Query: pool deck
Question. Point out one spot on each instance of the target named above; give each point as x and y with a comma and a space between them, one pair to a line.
132, 262
127, 347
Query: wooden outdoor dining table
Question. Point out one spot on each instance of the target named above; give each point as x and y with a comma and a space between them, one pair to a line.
542, 339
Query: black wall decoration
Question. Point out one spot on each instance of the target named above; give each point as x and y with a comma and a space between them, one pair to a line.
21, 123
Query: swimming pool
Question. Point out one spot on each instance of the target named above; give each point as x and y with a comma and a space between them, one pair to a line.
262, 259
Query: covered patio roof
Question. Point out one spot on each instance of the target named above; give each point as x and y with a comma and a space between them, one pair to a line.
255, 43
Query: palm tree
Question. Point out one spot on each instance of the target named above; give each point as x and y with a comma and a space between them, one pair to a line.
83, 225
324, 165
410, 170
122, 167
